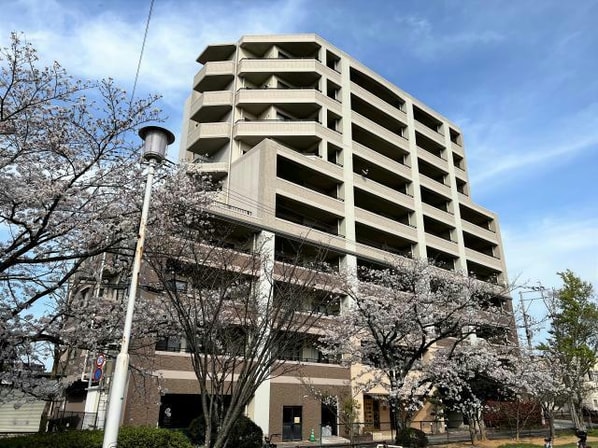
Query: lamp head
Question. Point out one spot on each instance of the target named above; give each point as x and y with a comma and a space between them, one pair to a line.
155, 139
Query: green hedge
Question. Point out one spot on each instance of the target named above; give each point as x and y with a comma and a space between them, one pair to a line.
137, 437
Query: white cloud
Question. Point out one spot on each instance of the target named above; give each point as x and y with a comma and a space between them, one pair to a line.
427, 42
509, 164
108, 44
537, 250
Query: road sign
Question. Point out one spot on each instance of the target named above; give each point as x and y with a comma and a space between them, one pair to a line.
101, 360
97, 374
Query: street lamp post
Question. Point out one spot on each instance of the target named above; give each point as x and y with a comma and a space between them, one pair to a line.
156, 139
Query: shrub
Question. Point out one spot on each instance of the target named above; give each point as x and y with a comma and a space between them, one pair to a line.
197, 430
411, 437
129, 437
68, 439
244, 434
143, 437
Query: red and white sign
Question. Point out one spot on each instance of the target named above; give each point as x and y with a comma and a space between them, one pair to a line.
101, 360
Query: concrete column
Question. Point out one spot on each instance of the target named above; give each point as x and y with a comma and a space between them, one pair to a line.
462, 261
420, 250
259, 408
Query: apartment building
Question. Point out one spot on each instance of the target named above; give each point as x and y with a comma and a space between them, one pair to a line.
311, 146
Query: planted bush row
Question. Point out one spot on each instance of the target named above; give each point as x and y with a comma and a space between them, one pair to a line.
128, 437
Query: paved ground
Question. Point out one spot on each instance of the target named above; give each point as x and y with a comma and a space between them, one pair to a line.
453, 438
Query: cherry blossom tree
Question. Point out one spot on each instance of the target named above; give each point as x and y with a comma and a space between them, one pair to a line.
399, 319
469, 375
537, 377
69, 191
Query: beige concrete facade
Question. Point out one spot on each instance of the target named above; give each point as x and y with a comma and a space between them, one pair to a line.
312, 146
293, 124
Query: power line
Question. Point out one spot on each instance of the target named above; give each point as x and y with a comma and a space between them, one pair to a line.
149, 16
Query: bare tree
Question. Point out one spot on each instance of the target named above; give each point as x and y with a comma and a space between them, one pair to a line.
242, 314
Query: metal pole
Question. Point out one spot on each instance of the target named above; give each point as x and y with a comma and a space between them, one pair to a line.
119, 378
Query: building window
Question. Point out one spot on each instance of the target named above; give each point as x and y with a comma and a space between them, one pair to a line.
169, 344
176, 285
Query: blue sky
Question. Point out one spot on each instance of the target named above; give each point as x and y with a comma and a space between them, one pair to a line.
518, 77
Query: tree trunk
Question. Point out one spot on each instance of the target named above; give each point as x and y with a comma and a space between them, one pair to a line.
481, 426
575, 419
471, 427
549, 416
395, 414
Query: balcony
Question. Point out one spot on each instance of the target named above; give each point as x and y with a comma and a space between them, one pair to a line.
456, 140
381, 175
433, 160
255, 100
299, 135
480, 245
385, 224
295, 210
387, 121
440, 235
222, 52
309, 197
381, 206
483, 259
207, 138
478, 231
216, 75
365, 153
257, 70
382, 191
379, 103
292, 44
432, 172
460, 173
488, 270
477, 216
307, 177
435, 186
438, 214
216, 170
299, 255
389, 242
312, 162
444, 258
377, 88
436, 200
380, 131
428, 125
211, 106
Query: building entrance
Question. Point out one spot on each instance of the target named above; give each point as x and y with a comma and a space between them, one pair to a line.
292, 422
328, 422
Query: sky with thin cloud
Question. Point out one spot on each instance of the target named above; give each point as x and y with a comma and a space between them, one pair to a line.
518, 77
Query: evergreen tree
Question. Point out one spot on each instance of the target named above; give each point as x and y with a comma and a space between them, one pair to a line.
573, 340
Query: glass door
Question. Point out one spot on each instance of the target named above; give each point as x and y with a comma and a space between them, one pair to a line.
291, 422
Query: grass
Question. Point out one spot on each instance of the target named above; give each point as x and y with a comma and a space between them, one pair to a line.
533, 445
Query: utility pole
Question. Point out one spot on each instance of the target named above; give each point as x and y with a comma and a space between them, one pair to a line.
526, 325
526, 317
